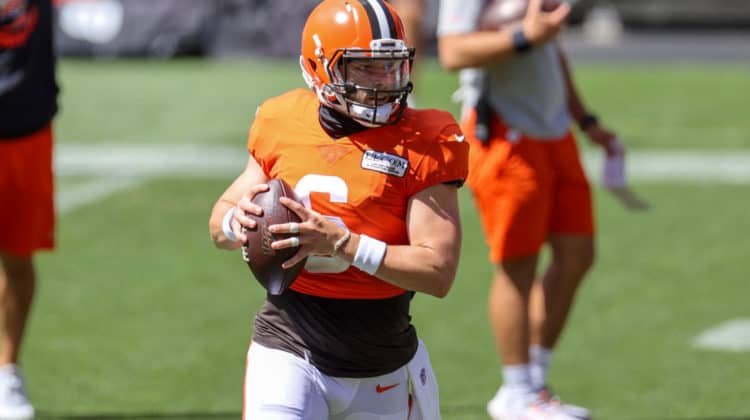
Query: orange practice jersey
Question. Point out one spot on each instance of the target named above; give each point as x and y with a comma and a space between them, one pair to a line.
363, 181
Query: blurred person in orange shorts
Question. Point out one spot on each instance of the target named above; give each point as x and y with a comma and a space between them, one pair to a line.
529, 186
28, 103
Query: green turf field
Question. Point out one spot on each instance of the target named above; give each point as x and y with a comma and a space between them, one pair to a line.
139, 316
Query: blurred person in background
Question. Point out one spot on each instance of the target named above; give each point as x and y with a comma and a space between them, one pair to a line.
339, 343
28, 103
412, 15
528, 184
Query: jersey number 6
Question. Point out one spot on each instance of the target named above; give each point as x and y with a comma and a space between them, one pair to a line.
338, 192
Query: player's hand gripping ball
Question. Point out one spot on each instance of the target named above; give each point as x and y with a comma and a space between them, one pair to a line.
264, 261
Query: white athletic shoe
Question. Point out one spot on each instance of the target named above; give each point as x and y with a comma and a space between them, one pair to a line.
14, 403
514, 405
576, 411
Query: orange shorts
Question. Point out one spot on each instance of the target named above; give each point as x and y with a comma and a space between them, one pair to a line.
526, 189
27, 213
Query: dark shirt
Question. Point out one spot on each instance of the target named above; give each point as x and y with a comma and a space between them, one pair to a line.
28, 90
341, 337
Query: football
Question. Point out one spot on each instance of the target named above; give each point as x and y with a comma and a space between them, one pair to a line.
264, 261
498, 14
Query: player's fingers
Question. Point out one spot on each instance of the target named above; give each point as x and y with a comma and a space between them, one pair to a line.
560, 14
248, 206
246, 203
255, 189
291, 242
296, 207
534, 8
241, 217
296, 258
291, 227
238, 230
615, 144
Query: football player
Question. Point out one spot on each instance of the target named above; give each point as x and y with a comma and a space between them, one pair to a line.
528, 184
377, 183
28, 103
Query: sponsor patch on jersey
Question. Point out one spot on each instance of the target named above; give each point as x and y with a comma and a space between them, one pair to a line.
385, 163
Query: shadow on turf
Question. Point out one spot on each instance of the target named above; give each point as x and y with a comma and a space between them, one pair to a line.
139, 416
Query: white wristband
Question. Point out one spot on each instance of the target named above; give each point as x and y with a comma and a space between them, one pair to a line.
226, 225
370, 254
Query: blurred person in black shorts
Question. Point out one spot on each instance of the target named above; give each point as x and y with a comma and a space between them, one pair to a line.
28, 103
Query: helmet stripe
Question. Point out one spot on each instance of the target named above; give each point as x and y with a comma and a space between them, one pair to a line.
374, 25
389, 19
381, 20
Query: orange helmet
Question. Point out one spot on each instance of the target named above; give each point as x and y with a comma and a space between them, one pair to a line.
355, 57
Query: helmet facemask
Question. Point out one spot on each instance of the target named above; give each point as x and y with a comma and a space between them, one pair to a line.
371, 86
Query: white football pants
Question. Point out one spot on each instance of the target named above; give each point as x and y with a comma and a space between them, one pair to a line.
282, 386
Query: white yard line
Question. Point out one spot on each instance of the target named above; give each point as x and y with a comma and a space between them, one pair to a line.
148, 160
731, 336
74, 196
194, 160
681, 166
121, 166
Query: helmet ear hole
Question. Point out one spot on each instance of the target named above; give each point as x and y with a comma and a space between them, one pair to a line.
312, 64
